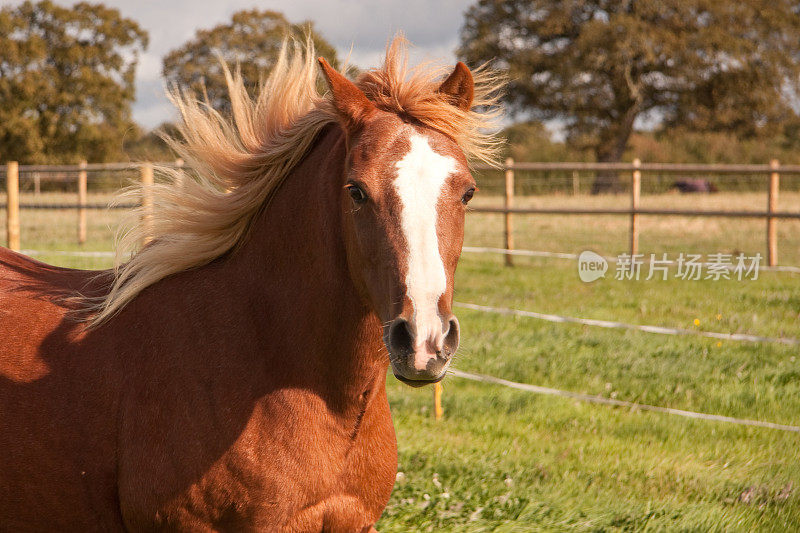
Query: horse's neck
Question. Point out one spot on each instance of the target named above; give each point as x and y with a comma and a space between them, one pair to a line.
294, 259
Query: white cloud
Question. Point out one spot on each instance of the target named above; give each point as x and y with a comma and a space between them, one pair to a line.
149, 67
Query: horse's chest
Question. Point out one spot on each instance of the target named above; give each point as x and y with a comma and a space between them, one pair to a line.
335, 481
301, 476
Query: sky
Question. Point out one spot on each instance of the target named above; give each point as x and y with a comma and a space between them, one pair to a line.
366, 25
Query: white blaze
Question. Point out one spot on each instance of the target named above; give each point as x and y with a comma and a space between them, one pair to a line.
421, 174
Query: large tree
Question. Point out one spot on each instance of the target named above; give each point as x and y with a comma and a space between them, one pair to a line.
251, 40
599, 65
66, 81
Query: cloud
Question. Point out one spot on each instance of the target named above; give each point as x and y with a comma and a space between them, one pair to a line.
432, 27
152, 106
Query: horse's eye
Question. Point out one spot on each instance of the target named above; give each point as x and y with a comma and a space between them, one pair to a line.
356, 193
468, 196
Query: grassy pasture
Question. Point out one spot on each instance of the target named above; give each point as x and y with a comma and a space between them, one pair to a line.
506, 460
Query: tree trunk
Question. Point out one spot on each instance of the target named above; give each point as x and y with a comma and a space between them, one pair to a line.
610, 150
606, 181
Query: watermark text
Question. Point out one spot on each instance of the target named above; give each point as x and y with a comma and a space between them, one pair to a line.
684, 266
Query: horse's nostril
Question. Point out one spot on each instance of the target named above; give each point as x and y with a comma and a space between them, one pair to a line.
400, 337
451, 338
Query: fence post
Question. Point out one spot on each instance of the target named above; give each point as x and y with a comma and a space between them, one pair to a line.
12, 207
636, 190
437, 401
82, 192
146, 173
576, 183
508, 204
772, 206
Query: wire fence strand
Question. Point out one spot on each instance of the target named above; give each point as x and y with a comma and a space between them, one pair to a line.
619, 403
622, 325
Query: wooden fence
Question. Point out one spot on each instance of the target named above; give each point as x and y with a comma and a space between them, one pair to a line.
772, 172
81, 172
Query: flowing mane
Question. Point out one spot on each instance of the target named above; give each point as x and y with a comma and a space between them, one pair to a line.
238, 163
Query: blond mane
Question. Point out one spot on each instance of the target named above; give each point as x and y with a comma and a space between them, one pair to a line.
238, 163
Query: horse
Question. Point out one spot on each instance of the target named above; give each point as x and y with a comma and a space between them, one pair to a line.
694, 186
231, 373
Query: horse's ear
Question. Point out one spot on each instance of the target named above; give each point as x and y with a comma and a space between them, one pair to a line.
459, 88
351, 103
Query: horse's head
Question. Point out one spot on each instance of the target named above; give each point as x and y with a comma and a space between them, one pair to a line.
404, 198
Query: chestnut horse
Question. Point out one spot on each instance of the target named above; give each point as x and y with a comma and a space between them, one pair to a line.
231, 375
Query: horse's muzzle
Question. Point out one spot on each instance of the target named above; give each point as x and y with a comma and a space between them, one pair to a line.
421, 361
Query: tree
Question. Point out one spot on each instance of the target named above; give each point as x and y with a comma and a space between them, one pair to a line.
599, 65
532, 141
66, 81
251, 40
150, 145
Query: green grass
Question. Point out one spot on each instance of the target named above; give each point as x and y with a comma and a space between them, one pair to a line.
507, 460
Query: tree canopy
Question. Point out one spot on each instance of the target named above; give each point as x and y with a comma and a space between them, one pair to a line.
599, 65
251, 40
66, 81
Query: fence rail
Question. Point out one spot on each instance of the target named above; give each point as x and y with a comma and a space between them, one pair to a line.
667, 168
95, 167
72, 206
638, 211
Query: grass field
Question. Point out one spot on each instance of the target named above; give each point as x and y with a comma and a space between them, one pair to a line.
506, 460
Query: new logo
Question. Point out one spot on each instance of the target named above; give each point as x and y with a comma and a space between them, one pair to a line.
591, 266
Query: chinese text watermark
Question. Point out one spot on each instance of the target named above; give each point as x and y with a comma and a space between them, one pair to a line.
689, 267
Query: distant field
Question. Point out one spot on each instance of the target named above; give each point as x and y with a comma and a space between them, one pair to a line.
506, 460
58, 229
